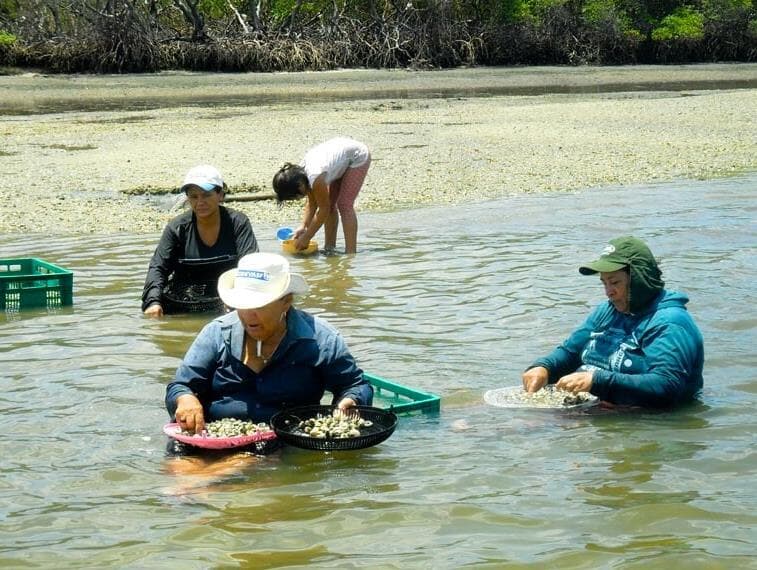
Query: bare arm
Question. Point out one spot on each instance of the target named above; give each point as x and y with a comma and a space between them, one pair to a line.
317, 211
307, 215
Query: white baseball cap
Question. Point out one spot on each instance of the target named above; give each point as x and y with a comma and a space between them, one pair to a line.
204, 176
259, 279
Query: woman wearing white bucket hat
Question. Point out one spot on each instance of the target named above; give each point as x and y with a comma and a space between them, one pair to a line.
264, 356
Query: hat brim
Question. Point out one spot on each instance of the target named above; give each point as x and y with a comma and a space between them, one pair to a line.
207, 186
601, 266
246, 299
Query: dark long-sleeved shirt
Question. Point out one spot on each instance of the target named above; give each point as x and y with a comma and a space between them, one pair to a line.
181, 241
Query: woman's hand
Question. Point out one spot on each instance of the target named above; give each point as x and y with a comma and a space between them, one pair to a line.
576, 382
301, 241
154, 310
535, 378
345, 404
189, 414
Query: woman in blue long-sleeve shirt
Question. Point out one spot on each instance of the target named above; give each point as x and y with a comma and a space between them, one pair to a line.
640, 348
264, 356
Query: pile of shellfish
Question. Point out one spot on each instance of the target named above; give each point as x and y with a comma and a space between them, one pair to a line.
549, 397
232, 427
337, 426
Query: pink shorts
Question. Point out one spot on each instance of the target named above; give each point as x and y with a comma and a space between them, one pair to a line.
343, 192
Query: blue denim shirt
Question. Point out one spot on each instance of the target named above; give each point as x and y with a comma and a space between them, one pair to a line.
312, 358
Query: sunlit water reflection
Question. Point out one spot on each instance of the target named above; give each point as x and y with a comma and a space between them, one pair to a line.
453, 301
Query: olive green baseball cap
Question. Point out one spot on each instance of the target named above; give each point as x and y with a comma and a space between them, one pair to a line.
617, 254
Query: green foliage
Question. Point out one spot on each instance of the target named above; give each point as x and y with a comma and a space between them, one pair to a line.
684, 23
214, 8
735, 13
646, 14
713, 9
603, 14
217, 9
540, 8
9, 9
597, 11
633, 35
7, 39
483, 11
512, 11
282, 9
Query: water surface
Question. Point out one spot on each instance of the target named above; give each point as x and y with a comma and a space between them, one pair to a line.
34, 94
453, 301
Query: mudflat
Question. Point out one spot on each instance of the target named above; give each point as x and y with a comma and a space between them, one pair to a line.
105, 154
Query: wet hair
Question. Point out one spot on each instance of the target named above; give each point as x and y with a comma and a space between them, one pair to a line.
288, 181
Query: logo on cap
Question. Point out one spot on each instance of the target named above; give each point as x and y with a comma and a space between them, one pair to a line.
608, 249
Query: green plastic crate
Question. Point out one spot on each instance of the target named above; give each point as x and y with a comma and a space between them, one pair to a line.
28, 282
392, 396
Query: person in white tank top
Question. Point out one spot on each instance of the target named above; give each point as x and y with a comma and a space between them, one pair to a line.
330, 175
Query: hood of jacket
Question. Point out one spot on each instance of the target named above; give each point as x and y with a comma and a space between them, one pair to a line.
665, 300
646, 283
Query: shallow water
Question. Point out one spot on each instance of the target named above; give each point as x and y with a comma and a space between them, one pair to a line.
33, 94
452, 301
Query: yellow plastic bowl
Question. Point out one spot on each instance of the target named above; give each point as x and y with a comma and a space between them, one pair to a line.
288, 246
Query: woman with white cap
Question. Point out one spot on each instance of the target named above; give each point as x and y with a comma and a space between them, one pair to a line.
198, 245
264, 356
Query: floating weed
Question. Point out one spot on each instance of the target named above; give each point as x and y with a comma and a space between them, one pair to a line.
118, 120
70, 148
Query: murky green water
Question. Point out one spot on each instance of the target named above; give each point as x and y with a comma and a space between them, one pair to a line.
452, 301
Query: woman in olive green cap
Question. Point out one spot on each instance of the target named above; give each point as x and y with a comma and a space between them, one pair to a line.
640, 348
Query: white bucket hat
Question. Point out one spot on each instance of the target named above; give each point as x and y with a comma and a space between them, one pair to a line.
204, 176
259, 279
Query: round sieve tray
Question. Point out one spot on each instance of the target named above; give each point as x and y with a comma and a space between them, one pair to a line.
515, 397
285, 425
206, 442
191, 299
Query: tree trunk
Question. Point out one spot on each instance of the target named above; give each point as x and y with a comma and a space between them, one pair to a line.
191, 12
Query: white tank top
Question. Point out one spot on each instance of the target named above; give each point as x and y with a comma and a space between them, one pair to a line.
334, 157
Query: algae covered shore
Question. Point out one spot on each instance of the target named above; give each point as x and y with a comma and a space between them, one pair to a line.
98, 154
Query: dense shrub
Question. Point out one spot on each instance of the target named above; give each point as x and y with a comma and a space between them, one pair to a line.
293, 35
7, 39
683, 24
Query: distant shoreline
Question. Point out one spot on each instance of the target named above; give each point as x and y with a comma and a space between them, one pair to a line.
75, 145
